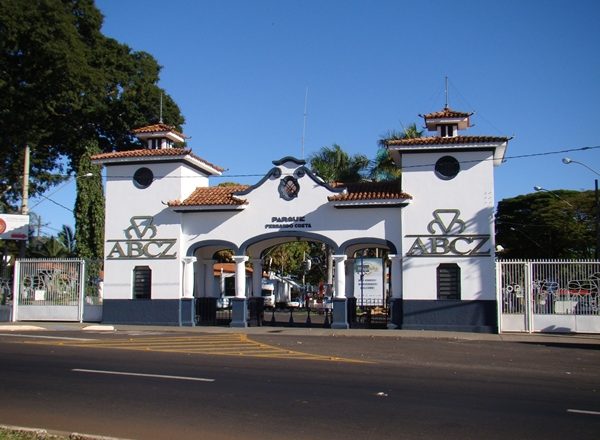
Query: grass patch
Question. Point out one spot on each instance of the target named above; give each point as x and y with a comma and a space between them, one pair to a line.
27, 434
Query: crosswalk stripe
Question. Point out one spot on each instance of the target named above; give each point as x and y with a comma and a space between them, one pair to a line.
235, 344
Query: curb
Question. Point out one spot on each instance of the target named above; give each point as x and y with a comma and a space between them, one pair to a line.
548, 338
39, 433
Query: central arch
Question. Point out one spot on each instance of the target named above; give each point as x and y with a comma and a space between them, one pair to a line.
270, 239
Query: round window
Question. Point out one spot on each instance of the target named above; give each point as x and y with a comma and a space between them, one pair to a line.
143, 178
447, 167
289, 188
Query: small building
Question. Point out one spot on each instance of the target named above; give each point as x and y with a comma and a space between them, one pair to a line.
164, 224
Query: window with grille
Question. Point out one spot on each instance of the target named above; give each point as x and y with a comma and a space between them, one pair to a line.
142, 282
289, 188
448, 281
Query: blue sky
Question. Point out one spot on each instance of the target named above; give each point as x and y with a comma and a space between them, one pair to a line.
239, 71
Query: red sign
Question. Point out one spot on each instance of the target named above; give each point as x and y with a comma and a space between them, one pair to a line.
14, 226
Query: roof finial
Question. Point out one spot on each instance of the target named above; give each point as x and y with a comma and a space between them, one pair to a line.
160, 119
446, 106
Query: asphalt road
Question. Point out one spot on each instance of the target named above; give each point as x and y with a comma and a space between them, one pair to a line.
401, 388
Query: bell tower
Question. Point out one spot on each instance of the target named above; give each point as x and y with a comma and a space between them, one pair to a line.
448, 229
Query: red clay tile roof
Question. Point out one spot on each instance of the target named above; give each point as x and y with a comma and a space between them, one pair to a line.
446, 140
214, 195
157, 128
446, 113
227, 268
163, 152
370, 191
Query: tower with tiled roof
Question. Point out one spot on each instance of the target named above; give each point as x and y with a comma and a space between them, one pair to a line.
448, 229
144, 276
159, 136
447, 122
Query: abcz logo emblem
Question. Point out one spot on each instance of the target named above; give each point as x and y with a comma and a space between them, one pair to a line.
446, 238
140, 243
140, 227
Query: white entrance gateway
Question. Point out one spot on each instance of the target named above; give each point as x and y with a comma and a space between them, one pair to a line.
164, 224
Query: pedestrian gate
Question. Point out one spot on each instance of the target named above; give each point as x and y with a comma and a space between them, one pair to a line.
549, 296
48, 290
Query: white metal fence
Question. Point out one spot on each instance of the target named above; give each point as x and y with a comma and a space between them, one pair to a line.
549, 296
50, 290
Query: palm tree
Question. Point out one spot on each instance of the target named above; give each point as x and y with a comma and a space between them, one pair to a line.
333, 164
67, 238
49, 248
383, 168
410, 132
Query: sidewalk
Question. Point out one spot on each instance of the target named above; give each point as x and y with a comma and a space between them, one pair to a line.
574, 339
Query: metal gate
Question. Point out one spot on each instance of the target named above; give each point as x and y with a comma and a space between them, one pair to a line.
48, 290
549, 296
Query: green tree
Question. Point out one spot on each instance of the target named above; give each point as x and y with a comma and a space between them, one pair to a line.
383, 168
48, 247
287, 258
66, 237
89, 206
557, 224
333, 164
62, 84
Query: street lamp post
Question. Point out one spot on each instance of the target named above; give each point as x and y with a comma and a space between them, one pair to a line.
539, 188
567, 161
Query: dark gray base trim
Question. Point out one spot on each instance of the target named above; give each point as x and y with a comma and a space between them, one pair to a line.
239, 315
395, 314
175, 312
449, 315
187, 312
5, 313
339, 319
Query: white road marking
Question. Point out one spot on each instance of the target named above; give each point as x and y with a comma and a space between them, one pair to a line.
584, 411
46, 337
160, 376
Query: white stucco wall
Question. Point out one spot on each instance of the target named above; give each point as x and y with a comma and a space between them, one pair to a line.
470, 192
264, 203
172, 180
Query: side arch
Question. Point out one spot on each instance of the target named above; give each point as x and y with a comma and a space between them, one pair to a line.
212, 243
368, 241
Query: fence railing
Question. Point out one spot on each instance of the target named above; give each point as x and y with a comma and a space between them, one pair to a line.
549, 287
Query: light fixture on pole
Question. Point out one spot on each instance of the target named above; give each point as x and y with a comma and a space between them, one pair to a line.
567, 161
539, 188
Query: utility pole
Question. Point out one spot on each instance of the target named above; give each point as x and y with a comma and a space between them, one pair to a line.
597, 219
25, 196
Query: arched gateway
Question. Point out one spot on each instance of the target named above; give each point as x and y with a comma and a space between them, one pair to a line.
164, 224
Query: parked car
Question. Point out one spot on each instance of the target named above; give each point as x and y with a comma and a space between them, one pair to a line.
224, 302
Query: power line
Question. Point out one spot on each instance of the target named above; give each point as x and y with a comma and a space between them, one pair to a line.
227, 176
520, 156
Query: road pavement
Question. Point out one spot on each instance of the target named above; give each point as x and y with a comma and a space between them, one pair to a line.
219, 383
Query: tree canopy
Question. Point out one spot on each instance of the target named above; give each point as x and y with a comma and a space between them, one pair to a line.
89, 206
383, 167
547, 224
62, 84
333, 164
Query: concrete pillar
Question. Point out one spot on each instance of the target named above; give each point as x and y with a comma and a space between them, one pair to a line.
257, 277
240, 275
209, 279
198, 279
396, 275
188, 276
340, 275
239, 310
396, 308
339, 319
